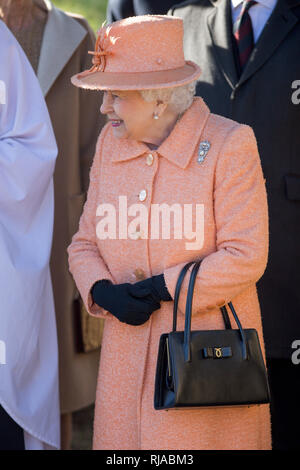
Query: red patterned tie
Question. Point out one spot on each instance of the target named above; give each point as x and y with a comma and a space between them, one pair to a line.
243, 33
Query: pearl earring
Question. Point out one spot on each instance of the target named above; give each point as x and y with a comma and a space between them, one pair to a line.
155, 116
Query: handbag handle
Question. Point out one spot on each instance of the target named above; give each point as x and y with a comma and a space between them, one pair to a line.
177, 292
176, 298
188, 316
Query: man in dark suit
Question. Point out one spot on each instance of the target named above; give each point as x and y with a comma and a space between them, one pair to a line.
119, 9
249, 55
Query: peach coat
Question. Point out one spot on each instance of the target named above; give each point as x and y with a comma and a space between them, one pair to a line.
230, 185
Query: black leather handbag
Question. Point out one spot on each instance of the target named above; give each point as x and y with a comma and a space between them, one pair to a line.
208, 368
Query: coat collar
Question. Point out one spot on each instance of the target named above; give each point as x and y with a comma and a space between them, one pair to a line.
219, 22
178, 151
62, 34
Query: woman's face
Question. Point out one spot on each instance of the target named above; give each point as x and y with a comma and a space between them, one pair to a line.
130, 115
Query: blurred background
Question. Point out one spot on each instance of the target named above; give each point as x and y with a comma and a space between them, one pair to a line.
93, 10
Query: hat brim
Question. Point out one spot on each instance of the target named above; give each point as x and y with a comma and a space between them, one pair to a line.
137, 80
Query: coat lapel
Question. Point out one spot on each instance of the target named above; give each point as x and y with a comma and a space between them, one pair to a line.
276, 29
219, 23
63, 34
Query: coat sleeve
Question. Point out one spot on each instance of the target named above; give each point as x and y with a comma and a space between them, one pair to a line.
241, 218
85, 260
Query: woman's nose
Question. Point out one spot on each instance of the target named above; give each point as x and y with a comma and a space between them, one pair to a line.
107, 101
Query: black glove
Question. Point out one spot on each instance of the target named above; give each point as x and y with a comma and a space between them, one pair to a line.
133, 308
156, 285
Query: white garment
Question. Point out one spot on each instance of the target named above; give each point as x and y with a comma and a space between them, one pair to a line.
32, 443
29, 377
259, 14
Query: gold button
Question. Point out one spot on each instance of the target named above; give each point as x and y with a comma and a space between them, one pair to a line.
143, 195
136, 235
149, 159
139, 274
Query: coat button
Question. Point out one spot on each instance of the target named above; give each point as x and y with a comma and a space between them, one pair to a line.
137, 235
143, 195
139, 274
149, 159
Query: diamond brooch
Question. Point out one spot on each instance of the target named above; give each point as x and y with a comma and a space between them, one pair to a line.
203, 150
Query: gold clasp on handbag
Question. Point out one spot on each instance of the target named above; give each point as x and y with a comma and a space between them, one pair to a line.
218, 352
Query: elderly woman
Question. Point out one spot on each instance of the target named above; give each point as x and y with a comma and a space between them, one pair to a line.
163, 151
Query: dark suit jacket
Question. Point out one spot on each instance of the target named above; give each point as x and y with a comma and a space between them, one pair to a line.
265, 99
118, 9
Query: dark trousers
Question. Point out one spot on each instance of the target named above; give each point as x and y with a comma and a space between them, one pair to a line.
11, 434
284, 379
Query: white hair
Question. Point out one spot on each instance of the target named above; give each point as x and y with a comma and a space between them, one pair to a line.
178, 98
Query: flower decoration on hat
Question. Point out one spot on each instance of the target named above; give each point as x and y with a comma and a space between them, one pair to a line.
103, 46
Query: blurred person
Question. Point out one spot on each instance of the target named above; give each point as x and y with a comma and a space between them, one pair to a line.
119, 9
29, 396
248, 52
150, 150
56, 43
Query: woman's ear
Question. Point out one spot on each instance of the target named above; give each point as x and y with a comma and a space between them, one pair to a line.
160, 108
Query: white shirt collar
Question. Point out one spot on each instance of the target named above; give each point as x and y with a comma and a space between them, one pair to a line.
266, 3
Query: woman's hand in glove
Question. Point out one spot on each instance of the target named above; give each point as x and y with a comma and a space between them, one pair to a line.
156, 285
133, 308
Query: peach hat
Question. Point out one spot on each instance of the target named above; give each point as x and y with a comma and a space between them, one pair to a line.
139, 53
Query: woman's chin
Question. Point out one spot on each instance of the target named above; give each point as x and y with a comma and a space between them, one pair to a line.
120, 132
